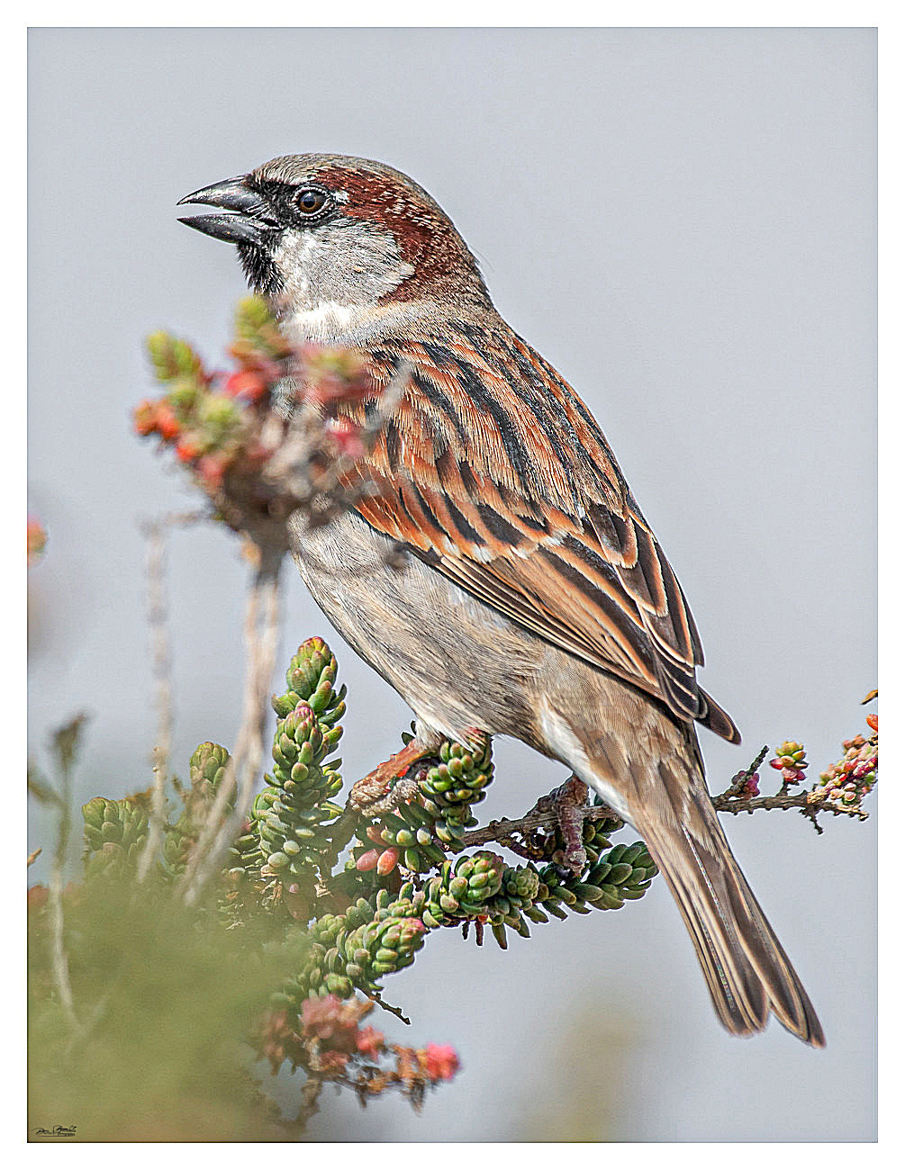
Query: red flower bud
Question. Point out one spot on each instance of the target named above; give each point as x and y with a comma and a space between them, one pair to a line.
386, 863
332, 1062
347, 437
167, 424
439, 1061
211, 469
187, 450
369, 1041
248, 384
144, 417
36, 539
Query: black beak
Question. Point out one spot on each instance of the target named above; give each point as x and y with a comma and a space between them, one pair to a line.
249, 224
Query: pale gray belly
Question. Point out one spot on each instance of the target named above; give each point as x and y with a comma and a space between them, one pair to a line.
460, 665
456, 662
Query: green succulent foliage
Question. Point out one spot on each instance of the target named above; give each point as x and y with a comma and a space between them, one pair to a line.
464, 888
207, 767
256, 329
622, 874
411, 829
482, 887
115, 831
379, 918
173, 360
372, 938
311, 678
425, 829
381, 934
451, 787
289, 834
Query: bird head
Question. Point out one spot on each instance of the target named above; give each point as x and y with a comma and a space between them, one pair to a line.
320, 234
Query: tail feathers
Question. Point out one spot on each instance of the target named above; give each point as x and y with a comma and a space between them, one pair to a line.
747, 970
716, 719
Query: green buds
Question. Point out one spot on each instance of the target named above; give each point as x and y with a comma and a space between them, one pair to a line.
450, 788
172, 358
425, 827
114, 833
289, 840
463, 888
256, 330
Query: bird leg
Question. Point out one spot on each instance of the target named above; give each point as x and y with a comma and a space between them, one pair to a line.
568, 805
387, 786
382, 789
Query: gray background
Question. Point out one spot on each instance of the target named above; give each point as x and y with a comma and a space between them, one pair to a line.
683, 222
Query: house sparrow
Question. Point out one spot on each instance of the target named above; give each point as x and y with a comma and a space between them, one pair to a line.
499, 573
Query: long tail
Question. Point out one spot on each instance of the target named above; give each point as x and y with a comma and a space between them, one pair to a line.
747, 970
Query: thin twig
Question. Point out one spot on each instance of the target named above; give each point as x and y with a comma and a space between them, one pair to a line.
311, 1092
161, 659
388, 1007
506, 832
736, 800
802, 800
60, 962
65, 743
536, 819
223, 822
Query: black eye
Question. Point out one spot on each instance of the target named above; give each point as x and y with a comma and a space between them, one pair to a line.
310, 200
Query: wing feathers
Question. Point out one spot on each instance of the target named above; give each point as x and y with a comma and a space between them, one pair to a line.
493, 471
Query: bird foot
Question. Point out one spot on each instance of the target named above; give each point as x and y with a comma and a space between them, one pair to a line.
385, 788
569, 804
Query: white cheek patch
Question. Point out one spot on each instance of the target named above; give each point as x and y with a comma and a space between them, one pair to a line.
294, 259
344, 265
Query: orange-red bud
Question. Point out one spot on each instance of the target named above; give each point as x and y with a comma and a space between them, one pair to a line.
187, 450
167, 424
386, 863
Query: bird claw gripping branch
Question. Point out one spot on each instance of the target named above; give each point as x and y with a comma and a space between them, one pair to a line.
569, 805
431, 805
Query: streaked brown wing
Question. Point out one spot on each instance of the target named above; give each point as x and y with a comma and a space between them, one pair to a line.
493, 472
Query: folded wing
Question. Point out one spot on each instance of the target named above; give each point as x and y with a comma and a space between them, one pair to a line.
494, 473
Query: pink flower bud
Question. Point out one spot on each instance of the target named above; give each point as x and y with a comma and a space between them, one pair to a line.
440, 1061
247, 384
386, 863
369, 1041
